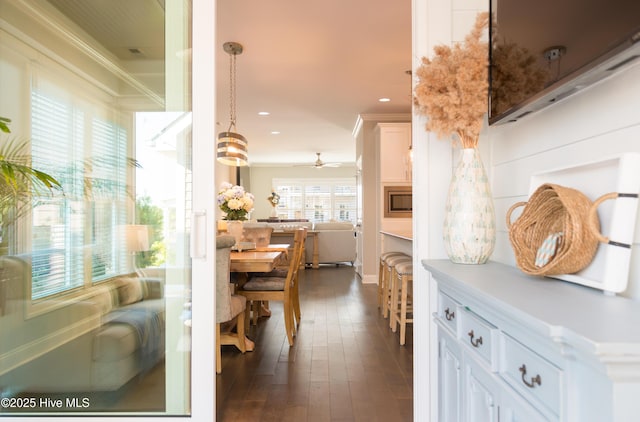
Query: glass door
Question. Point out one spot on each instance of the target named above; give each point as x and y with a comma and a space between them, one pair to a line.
97, 209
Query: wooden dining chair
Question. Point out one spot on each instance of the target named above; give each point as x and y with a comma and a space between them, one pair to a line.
281, 270
265, 288
230, 308
295, 294
260, 235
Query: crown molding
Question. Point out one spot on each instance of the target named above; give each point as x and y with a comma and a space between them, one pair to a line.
49, 18
378, 117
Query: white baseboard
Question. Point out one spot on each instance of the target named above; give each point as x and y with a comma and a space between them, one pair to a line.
369, 279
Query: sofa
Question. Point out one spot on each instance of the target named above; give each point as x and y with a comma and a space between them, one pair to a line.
119, 333
336, 243
331, 242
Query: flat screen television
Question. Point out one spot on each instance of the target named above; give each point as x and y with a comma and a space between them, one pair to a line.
545, 50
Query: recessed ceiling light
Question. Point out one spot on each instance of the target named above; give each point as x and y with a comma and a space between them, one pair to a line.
384, 100
263, 113
275, 132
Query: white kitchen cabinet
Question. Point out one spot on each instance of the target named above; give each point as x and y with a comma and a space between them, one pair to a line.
481, 394
450, 379
514, 408
394, 141
469, 389
512, 347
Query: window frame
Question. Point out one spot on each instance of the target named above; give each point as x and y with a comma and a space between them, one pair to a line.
304, 212
95, 105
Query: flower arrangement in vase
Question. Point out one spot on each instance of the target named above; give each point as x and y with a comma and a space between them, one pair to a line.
274, 200
234, 202
452, 91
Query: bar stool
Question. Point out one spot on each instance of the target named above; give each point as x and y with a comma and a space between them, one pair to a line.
388, 279
402, 291
381, 272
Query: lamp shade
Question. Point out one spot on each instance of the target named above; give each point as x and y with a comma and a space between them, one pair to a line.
137, 237
231, 149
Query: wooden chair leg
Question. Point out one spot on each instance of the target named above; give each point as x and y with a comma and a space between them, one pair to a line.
255, 305
237, 339
384, 288
218, 351
393, 302
296, 307
380, 285
403, 310
247, 316
406, 306
386, 302
241, 332
288, 320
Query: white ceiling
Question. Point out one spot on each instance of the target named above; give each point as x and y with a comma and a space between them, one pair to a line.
315, 66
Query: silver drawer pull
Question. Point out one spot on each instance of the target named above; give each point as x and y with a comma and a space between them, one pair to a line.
449, 314
477, 342
534, 380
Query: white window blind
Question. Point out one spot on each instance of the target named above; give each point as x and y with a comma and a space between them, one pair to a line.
108, 192
318, 200
86, 153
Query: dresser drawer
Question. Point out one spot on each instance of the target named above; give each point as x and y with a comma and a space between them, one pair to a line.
448, 311
537, 379
481, 336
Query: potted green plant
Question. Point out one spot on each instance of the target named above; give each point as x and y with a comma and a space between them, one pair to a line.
18, 180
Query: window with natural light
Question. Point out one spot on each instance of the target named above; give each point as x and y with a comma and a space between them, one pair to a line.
318, 200
89, 160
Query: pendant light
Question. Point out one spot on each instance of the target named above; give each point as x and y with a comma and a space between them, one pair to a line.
231, 148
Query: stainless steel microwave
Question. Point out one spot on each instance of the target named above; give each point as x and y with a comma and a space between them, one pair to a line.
398, 202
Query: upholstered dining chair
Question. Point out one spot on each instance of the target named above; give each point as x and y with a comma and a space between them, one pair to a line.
266, 288
230, 308
261, 236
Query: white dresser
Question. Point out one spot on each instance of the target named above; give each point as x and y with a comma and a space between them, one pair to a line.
517, 348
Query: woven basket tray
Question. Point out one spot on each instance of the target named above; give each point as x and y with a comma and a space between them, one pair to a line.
554, 209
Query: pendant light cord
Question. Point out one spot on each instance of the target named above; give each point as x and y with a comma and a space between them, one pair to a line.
232, 91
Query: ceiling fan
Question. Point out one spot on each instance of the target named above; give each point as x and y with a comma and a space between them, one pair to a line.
318, 164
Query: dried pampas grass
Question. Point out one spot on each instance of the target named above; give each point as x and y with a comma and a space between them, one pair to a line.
452, 87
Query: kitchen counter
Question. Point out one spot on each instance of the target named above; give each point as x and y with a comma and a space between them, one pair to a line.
399, 235
396, 241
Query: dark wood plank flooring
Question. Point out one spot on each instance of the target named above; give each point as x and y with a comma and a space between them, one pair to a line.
346, 364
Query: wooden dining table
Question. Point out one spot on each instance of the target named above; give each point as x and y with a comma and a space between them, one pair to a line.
257, 260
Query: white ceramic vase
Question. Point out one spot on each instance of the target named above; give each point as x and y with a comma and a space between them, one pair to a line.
469, 224
235, 228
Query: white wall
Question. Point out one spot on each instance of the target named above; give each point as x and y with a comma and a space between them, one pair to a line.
601, 121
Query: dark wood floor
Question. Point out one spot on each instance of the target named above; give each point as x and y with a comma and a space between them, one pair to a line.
346, 364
